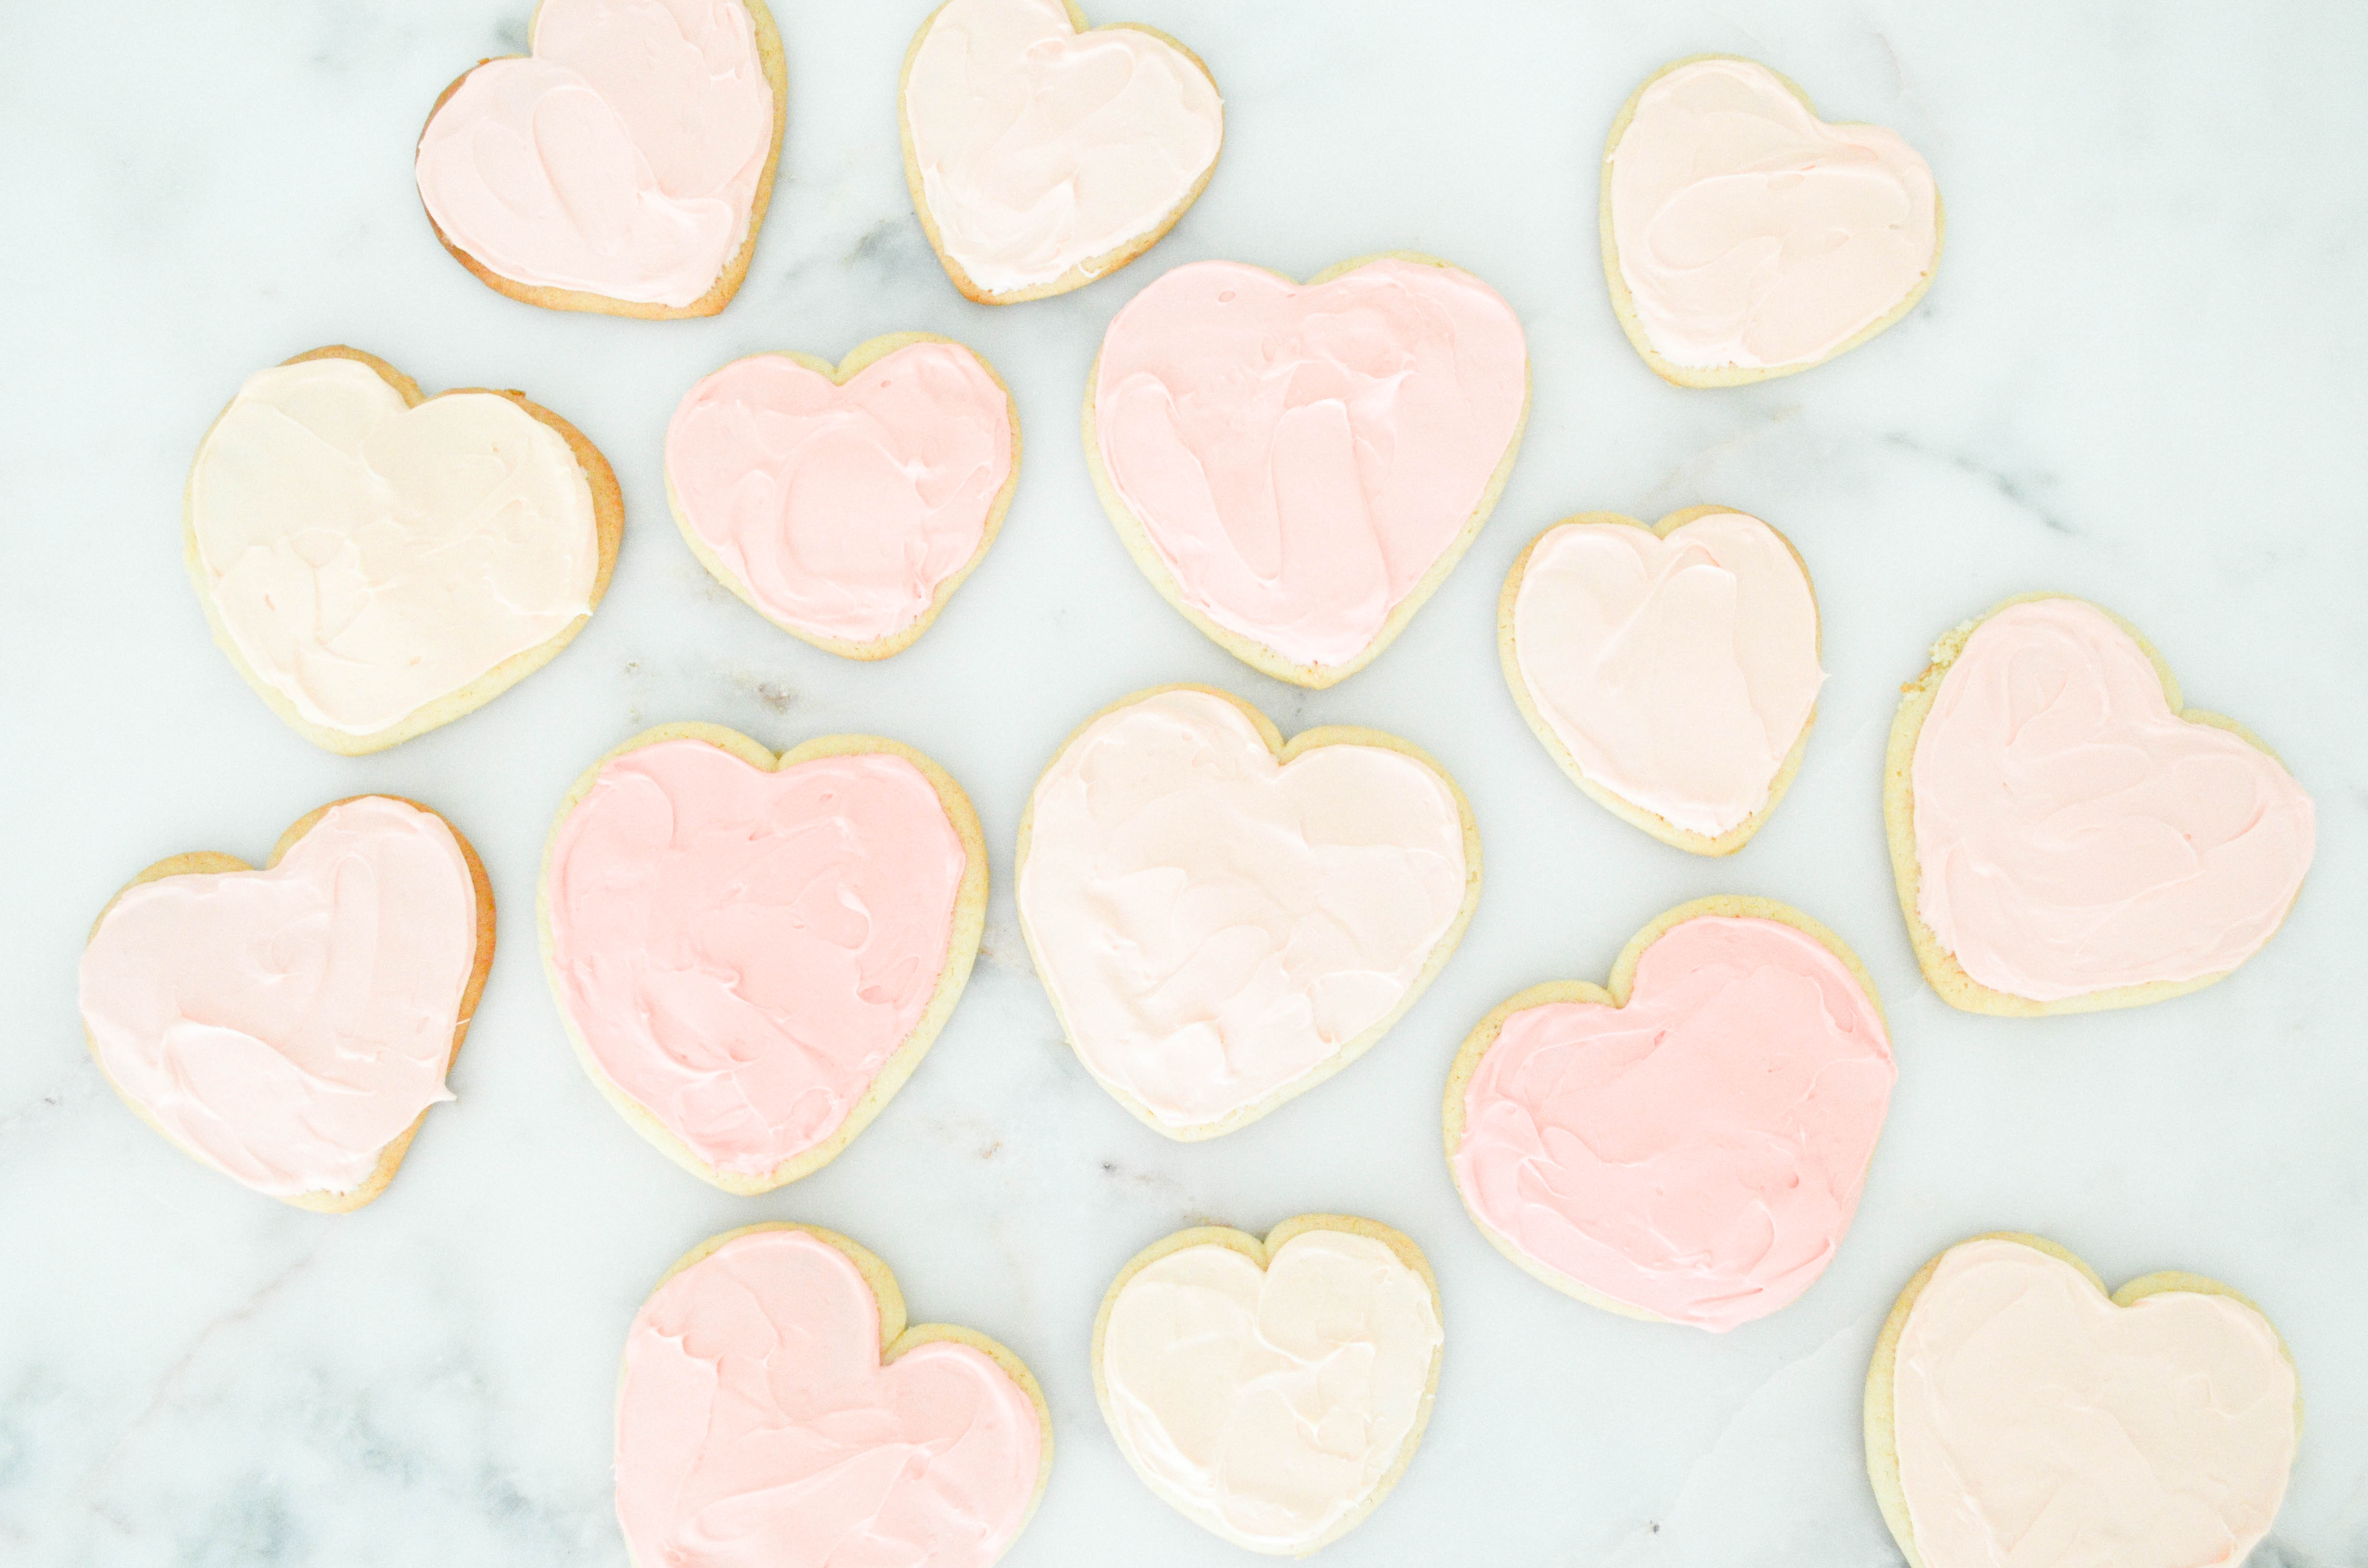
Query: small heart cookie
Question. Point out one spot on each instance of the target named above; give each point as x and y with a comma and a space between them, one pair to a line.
1271, 1391
2065, 836
622, 166
291, 1025
753, 952
1671, 669
1223, 921
775, 1407
1744, 237
376, 562
1044, 154
1688, 1145
2016, 1413
845, 504
1296, 467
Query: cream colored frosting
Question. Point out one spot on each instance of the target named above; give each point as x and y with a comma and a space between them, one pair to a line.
2073, 834
841, 508
1041, 148
1677, 670
1750, 233
2039, 1424
285, 1025
367, 557
1268, 1406
621, 157
1301, 455
1213, 926
757, 1428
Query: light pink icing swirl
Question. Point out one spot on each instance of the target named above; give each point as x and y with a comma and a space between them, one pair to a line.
742, 950
757, 1428
2073, 834
1699, 1153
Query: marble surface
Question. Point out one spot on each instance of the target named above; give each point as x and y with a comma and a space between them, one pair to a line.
2137, 379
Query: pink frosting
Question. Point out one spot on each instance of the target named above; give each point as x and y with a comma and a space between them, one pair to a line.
1301, 456
1697, 1154
621, 157
757, 1428
742, 950
284, 1025
840, 509
2074, 834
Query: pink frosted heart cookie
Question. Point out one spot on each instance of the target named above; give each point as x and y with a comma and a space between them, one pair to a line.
622, 165
1744, 237
1296, 467
1223, 921
776, 1408
1687, 1145
291, 1025
2066, 835
2015, 1412
1671, 670
753, 952
1042, 154
845, 504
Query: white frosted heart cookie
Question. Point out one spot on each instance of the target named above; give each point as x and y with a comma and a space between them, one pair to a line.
1042, 154
2017, 1413
1687, 1145
291, 1025
1672, 670
775, 1407
1223, 921
1271, 1391
1744, 237
751, 952
376, 562
2065, 834
1297, 467
846, 503
622, 165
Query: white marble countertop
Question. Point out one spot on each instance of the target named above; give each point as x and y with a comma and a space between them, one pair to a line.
2138, 378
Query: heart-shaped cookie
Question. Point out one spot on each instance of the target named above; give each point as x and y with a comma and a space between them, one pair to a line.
1672, 670
845, 504
753, 952
775, 1407
1042, 154
1296, 467
1223, 921
1744, 237
1271, 1391
622, 166
2017, 1413
2065, 836
290, 1025
376, 562
1688, 1145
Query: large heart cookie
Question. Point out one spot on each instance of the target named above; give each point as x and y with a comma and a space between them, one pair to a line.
1671, 670
377, 563
1272, 1391
1688, 1145
290, 1026
845, 504
622, 166
1042, 155
2065, 838
1296, 467
775, 1408
1744, 237
753, 952
2017, 1413
1223, 921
